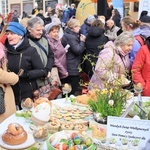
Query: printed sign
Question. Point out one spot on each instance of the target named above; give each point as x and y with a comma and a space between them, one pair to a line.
128, 131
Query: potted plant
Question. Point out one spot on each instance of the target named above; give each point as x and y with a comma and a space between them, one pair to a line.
110, 102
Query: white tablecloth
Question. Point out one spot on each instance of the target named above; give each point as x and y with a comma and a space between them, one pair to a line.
22, 121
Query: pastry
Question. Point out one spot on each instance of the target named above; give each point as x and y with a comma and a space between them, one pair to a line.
80, 127
41, 100
28, 103
14, 135
53, 127
66, 126
40, 133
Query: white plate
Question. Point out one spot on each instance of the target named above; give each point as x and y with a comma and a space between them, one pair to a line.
29, 142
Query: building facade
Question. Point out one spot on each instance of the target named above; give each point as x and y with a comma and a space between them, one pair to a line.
27, 5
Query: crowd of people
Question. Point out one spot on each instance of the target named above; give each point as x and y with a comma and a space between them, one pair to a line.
32, 45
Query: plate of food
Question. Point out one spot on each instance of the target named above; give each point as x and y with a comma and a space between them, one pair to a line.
68, 139
72, 115
15, 137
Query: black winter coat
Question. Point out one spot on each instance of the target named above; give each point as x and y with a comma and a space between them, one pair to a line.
25, 57
94, 43
75, 52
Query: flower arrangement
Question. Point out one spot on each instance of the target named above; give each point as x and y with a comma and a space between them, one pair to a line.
110, 101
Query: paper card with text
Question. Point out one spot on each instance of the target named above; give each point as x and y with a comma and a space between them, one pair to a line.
128, 131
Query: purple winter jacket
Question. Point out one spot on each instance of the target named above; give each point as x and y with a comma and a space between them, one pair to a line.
110, 64
59, 56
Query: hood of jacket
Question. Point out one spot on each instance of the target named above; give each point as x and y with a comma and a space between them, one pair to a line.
86, 22
145, 30
95, 31
136, 31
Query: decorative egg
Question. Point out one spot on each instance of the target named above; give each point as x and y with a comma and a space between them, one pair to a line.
136, 117
88, 142
72, 148
111, 102
61, 146
77, 140
84, 146
73, 135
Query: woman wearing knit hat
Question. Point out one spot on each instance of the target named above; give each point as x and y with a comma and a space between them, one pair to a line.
59, 51
22, 59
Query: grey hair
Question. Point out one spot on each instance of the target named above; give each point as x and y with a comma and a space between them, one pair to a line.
124, 38
32, 22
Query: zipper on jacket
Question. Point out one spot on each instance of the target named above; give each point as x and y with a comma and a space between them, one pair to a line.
19, 69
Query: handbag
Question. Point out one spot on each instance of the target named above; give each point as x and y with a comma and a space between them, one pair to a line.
50, 90
2, 101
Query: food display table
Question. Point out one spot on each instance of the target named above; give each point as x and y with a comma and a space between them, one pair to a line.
30, 141
22, 121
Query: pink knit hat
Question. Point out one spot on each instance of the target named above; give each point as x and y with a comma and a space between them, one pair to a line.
2, 53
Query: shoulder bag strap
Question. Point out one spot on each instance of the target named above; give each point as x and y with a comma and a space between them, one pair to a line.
42, 48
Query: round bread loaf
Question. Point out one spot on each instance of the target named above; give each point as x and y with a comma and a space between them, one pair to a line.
14, 135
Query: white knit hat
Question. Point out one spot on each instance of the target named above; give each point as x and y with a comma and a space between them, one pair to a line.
49, 26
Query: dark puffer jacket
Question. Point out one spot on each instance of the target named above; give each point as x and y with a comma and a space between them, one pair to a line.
85, 28
94, 43
25, 57
75, 52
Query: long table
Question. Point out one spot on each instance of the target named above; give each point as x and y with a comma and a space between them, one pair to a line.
22, 121
13, 119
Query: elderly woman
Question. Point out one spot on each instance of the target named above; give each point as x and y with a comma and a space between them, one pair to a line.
6, 80
59, 51
74, 55
24, 60
113, 61
37, 39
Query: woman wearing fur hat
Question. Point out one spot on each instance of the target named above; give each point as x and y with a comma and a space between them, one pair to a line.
24, 60
6, 80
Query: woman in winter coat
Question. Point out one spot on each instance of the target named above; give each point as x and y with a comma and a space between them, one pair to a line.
7, 79
141, 68
75, 52
59, 51
94, 43
24, 60
113, 61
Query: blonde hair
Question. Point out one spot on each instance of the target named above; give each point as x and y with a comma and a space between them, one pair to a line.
131, 22
72, 23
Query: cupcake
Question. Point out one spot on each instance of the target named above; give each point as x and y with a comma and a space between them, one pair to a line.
67, 126
53, 127
80, 127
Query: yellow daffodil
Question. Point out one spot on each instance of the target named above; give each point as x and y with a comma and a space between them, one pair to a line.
111, 91
104, 91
